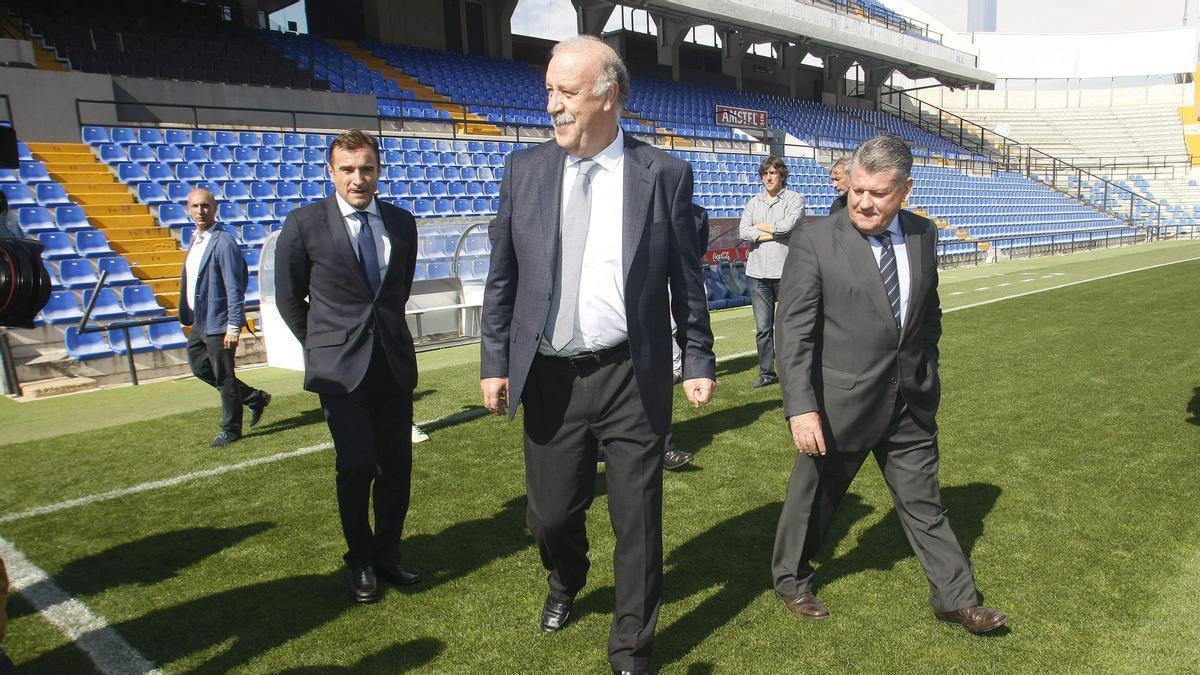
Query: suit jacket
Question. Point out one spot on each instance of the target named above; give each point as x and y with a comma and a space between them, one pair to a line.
836, 341
339, 319
222, 287
660, 249
838, 204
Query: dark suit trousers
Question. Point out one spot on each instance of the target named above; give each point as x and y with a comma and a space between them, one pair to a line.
212, 363
908, 457
372, 437
567, 413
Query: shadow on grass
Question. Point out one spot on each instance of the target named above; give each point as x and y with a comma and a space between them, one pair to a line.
735, 558
696, 434
400, 658
1193, 407
465, 547
738, 365
883, 544
304, 419
234, 626
152, 559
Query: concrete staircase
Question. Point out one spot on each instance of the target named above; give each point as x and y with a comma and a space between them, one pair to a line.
43, 58
152, 252
467, 123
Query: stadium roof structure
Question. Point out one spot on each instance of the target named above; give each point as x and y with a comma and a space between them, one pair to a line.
822, 31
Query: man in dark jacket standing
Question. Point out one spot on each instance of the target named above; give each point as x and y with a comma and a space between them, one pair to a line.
212, 295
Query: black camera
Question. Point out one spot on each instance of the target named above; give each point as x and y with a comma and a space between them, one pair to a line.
24, 282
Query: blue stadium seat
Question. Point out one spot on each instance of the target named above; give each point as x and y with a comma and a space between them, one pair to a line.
141, 154
312, 190
160, 172
92, 244
259, 212
150, 136
252, 291
111, 153
77, 273
108, 304
287, 190
151, 194
71, 218
173, 215
291, 156
131, 174
214, 171
264, 172
18, 195
252, 257
123, 136
292, 171
57, 245
185, 235
282, 208
138, 341
62, 307
254, 234
119, 272
140, 301
93, 135
243, 172
35, 220
237, 192
167, 335
83, 347
231, 212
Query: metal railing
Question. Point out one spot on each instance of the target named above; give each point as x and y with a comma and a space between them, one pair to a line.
1014, 156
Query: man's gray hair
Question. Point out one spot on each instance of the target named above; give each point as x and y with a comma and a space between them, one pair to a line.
612, 68
840, 164
884, 153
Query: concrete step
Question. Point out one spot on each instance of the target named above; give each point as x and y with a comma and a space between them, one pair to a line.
122, 210
102, 199
87, 181
92, 183
156, 271
57, 386
116, 234
85, 166
164, 286
64, 157
169, 300
156, 258
60, 147
142, 220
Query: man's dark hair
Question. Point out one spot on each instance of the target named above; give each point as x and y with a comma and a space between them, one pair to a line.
353, 139
773, 162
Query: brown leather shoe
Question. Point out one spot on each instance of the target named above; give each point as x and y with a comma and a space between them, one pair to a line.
975, 619
805, 604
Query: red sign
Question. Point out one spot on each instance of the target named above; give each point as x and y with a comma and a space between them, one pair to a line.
741, 117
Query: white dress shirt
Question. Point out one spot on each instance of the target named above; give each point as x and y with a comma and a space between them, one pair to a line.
383, 243
900, 248
600, 316
191, 266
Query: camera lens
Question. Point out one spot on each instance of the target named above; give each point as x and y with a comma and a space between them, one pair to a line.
24, 282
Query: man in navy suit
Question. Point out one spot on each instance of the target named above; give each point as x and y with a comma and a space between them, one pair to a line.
212, 295
344, 271
592, 232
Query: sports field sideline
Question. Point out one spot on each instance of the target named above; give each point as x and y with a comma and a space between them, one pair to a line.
1068, 437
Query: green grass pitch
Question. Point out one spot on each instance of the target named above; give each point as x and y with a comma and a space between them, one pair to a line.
1070, 463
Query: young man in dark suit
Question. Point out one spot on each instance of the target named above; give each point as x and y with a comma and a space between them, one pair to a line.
344, 271
212, 295
858, 330
592, 231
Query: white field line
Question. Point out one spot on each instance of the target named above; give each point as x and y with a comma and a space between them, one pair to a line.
88, 630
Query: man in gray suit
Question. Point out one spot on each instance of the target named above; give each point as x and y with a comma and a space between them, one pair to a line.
858, 329
591, 232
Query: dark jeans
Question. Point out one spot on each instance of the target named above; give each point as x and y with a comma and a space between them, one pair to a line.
764, 293
212, 363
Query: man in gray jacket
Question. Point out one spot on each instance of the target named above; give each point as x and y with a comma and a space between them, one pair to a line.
767, 223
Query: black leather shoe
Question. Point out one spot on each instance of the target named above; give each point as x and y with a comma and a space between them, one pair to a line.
674, 459
764, 381
364, 586
256, 411
630, 672
555, 614
223, 439
394, 573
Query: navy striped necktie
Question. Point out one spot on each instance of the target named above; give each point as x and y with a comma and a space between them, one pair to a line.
889, 272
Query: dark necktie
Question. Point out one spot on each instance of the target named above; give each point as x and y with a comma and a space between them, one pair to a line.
564, 300
891, 276
368, 254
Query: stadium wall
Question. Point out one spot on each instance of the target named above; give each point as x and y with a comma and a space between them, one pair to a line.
1059, 94
44, 103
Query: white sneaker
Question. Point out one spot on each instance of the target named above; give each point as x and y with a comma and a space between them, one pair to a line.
418, 436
